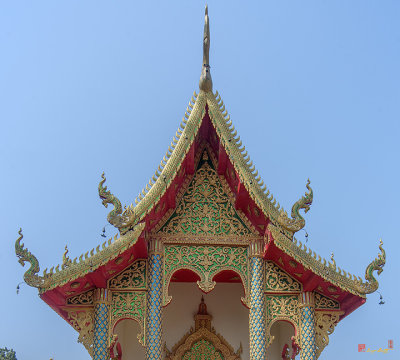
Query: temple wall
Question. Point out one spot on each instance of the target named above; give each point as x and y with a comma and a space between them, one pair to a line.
230, 317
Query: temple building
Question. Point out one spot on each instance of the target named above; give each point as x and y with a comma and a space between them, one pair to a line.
206, 264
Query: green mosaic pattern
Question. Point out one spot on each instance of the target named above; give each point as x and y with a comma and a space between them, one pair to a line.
154, 314
257, 310
206, 261
205, 208
100, 349
308, 346
203, 350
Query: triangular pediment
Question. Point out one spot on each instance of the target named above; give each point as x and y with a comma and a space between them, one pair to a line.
205, 209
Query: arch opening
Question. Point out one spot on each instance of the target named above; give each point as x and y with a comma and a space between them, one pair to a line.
127, 345
282, 345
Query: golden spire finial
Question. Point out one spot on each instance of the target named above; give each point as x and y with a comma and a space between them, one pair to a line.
205, 77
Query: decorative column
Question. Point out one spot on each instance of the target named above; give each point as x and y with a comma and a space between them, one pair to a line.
101, 323
257, 302
154, 299
307, 335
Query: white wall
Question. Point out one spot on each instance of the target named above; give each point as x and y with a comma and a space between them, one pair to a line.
230, 317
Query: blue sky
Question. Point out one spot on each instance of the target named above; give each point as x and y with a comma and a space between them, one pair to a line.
312, 87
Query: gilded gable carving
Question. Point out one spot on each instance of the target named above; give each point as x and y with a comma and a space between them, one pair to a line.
277, 280
85, 298
323, 302
134, 277
205, 209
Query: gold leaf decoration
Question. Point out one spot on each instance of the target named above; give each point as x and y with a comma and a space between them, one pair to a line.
134, 277
277, 280
205, 209
323, 302
85, 298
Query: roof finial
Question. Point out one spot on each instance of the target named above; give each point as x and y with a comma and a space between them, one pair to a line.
205, 77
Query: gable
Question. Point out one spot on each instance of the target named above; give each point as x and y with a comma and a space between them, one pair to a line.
205, 209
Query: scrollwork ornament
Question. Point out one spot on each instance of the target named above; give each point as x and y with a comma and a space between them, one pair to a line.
85, 298
205, 209
134, 277
323, 302
277, 280
325, 323
129, 305
83, 322
205, 261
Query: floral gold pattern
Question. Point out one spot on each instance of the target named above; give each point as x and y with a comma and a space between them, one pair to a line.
206, 262
323, 302
132, 278
282, 307
85, 298
83, 322
325, 323
205, 208
277, 280
129, 305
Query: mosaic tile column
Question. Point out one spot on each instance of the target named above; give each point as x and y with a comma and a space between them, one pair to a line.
307, 335
257, 302
154, 298
101, 324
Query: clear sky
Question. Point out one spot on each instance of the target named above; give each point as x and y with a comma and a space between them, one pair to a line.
312, 87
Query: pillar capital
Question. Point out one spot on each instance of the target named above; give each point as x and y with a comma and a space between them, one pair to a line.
256, 248
156, 247
306, 298
101, 296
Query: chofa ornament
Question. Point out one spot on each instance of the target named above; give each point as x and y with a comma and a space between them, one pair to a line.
31, 276
376, 265
115, 217
297, 222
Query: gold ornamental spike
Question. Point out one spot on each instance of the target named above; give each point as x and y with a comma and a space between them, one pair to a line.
148, 187
188, 110
179, 132
186, 115
92, 252
216, 95
154, 178
225, 113
103, 246
57, 268
263, 188
195, 94
184, 122
136, 201
205, 83
222, 107
140, 196
234, 132
192, 100
191, 105
229, 122
97, 248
